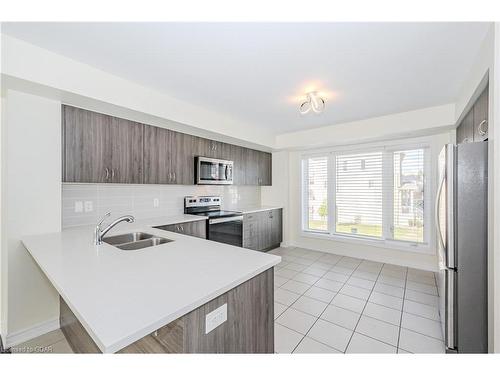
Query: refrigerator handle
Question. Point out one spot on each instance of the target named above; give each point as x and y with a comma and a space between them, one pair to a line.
437, 223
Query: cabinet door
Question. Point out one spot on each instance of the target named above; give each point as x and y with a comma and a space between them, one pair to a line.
209, 148
264, 168
252, 166
126, 144
465, 132
157, 155
182, 158
86, 151
480, 109
266, 229
251, 231
276, 227
239, 169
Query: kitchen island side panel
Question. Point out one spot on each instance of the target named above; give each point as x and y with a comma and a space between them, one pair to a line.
249, 327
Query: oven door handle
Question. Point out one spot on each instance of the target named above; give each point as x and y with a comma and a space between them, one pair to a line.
225, 219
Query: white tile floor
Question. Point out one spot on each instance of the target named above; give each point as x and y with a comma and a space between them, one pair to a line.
326, 303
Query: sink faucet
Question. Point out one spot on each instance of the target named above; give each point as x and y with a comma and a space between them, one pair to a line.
99, 233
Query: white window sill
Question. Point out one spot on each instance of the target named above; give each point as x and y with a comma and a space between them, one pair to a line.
423, 248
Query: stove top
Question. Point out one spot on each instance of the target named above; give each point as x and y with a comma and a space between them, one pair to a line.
218, 213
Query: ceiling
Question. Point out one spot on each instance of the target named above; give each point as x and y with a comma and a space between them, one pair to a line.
258, 72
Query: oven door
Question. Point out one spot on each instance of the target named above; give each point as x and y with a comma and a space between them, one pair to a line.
226, 230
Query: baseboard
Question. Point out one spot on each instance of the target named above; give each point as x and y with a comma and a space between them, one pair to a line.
30, 333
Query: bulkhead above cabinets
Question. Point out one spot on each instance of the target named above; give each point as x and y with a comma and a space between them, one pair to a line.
99, 148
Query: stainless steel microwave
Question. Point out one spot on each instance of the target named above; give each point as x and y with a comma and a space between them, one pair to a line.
211, 171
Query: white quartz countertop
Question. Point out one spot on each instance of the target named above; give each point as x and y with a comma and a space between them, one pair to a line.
252, 209
121, 296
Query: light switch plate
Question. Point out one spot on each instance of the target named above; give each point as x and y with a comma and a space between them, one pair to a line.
89, 206
78, 206
156, 202
215, 318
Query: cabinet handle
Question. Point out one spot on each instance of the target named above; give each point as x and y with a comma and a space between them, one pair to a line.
173, 177
107, 174
480, 128
182, 228
113, 173
170, 176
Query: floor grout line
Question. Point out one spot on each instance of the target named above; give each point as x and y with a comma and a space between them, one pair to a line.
402, 310
361, 314
296, 346
375, 282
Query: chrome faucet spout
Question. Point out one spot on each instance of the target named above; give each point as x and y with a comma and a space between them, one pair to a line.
99, 233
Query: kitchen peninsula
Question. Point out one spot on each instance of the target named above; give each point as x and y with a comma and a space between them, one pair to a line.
159, 299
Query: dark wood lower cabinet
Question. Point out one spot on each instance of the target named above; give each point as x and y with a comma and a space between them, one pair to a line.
249, 327
263, 230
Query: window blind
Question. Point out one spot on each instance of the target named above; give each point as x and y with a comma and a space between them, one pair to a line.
358, 192
317, 193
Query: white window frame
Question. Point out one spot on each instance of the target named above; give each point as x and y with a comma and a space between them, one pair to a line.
386, 241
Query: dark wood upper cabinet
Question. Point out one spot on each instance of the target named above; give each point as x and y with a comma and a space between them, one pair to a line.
126, 151
157, 151
474, 126
182, 158
265, 169
480, 110
99, 148
465, 132
86, 151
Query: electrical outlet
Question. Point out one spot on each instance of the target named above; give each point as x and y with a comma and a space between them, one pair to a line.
156, 202
89, 206
78, 206
215, 318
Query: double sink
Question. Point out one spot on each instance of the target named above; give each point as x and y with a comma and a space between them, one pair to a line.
135, 241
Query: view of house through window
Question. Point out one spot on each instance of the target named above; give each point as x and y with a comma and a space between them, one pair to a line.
408, 217
376, 194
317, 193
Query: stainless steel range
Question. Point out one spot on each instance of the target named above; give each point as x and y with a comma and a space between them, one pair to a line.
222, 226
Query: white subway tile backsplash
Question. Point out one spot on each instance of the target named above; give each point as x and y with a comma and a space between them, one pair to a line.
138, 200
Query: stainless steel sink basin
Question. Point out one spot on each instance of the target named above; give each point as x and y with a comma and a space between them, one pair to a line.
124, 238
143, 243
135, 241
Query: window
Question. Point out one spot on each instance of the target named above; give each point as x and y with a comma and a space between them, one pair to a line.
375, 194
317, 193
358, 194
408, 216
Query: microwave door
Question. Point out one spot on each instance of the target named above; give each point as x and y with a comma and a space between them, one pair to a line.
208, 171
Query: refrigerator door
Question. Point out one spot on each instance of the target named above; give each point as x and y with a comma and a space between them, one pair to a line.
445, 228
472, 247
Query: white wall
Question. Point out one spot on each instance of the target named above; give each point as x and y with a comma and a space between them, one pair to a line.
31, 196
79, 84
413, 123
279, 193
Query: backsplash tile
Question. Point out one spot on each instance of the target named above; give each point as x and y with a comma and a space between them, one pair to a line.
138, 200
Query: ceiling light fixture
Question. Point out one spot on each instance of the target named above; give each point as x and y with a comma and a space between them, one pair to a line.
313, 102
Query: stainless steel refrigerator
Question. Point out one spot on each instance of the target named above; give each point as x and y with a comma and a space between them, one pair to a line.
462, 228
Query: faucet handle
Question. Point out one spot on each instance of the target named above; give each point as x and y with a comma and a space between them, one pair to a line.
104, 218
